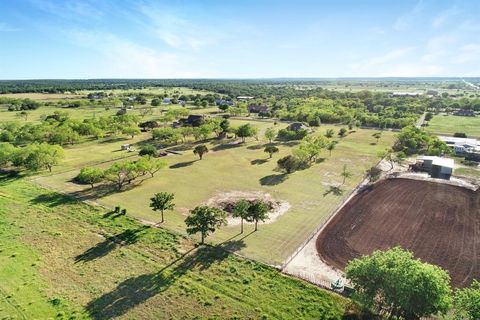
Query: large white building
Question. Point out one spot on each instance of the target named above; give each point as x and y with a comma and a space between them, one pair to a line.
461, 145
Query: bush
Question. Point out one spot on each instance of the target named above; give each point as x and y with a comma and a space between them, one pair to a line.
460, 135
148, 151
470, 163
287, 135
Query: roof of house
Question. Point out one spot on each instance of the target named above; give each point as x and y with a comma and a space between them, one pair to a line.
459, 141
297, 126
439, 161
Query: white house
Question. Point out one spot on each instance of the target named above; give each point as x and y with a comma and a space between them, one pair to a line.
437, 167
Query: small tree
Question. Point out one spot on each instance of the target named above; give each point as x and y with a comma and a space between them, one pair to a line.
374, 174
246, 130
205, 220
345, 174
200, 150
240, 210
377, 136
270, 134
90, 176
329, 133
162, 201
150, 164
342, 132
467, 302
258, 211
331, 146
289, 164
271, 150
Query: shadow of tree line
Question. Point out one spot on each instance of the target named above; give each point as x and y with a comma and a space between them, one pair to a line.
139, 289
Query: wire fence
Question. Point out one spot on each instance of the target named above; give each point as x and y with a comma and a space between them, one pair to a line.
350, 195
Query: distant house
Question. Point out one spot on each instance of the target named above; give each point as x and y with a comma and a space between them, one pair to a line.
125, 147
464, 113
461, 145
245, 97
406, 94
221, 102
297, 126
432, 93
167, 101
255, 108
437, 167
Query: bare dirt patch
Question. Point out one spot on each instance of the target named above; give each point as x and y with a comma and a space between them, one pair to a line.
439, 223
226, 201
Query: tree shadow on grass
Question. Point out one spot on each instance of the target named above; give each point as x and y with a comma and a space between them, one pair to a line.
227, 146
256, 147
273, 179
335, 190
182, 164
99, 191
9, 176
127, 237
258, 161
53, 199
139, 289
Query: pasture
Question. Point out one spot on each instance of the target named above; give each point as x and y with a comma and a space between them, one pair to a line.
64, 259
448, 125
235, 168
439, 223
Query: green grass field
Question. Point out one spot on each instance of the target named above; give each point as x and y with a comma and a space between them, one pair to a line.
236, 168
448, 125
63, 259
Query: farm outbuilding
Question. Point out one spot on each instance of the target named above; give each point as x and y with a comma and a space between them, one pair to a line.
437, 167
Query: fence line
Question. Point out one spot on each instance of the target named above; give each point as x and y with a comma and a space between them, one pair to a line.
327, 220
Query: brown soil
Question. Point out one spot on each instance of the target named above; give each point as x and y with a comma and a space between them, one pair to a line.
439, 223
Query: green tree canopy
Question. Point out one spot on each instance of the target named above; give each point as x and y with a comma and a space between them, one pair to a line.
162, 201
205, 220
395, 283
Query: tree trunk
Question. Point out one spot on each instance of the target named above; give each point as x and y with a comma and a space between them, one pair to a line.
241, 226
91, 185
203, 238
271, 155
162, 217
256, 222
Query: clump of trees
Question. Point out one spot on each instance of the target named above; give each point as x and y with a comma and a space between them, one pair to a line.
123, 172
392, 282
33, 157
288, 135
413, 140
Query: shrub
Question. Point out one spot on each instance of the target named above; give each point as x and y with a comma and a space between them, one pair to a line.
148, 151
460, 135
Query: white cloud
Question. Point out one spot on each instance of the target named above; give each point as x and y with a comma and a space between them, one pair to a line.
467, 53
124, 58
444, 16
404, 21
73, 9
389, 57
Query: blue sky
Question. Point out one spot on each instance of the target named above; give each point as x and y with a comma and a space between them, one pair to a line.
238, 39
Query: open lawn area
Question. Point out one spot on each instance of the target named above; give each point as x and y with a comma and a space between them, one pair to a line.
230, 167
448, 125
63, 259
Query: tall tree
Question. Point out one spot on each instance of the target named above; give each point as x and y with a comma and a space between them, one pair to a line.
200, 150
345, 174
257, 211
205, 220
240, 210
246, 130
270, 134
162, 201
395, 283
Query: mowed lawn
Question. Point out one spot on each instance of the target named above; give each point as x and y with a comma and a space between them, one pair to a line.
448, 125
243, 167
63, 259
